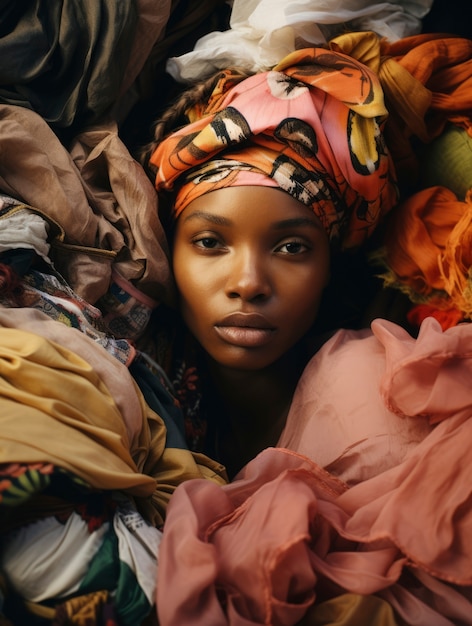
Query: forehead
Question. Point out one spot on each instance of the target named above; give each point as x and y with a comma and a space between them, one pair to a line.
246, 206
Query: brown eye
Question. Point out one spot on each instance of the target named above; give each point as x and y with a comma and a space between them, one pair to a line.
209, 243
292, 247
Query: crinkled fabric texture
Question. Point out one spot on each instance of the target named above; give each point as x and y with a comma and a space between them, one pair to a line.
264, 31
427, 84
100, 205
313, 126
22, 228
428, 252
72, 61
286, 532
58, 408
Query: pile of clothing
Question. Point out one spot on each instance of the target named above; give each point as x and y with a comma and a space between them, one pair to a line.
102, 503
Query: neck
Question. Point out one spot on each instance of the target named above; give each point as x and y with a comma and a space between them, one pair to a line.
250, 408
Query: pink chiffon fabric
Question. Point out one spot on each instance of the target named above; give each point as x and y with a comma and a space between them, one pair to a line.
374, 496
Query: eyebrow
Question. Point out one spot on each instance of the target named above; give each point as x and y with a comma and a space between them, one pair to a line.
291, 222
209, 217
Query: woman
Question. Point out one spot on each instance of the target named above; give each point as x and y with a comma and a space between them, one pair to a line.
271, 178
250, 261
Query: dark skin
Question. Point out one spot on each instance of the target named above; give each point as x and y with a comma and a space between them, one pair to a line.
251, 410
251, 265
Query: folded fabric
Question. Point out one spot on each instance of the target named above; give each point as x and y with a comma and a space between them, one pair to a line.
100, 205
22, 228
287, 534
59, 558
57, 409
81, 58
262, 32
361, 436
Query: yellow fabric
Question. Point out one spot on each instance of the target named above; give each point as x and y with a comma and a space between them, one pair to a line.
427, 82
54, 408
407, 97
351, 610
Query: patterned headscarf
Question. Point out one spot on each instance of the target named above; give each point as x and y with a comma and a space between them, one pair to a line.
312, 126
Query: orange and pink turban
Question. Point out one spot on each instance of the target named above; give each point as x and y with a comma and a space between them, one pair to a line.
312, 126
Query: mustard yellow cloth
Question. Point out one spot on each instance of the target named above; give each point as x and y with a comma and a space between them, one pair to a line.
55, 408
351, 609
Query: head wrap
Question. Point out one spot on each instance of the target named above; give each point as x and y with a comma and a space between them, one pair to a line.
312, 126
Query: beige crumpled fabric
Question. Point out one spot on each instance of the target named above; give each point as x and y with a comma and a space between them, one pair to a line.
101, 206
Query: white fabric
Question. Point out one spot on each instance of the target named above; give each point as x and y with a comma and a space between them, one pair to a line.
262, 32
138, 546
47, 559
22, 228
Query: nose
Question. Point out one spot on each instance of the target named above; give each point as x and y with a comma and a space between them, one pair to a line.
248, 277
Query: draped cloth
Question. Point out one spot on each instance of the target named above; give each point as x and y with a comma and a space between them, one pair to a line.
100, 206
312, 126
427, 254
72, 62
63, 405
261, 32
288, 534
427, 83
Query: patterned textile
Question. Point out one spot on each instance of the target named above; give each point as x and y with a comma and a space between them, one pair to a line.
90, 610
312, 126
50, 293
71, 443
427, 83
88, 559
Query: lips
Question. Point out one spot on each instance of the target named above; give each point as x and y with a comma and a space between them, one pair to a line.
249, 330
246, 320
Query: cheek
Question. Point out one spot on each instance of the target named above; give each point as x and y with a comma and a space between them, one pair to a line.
304, 294
188, 288
194, 288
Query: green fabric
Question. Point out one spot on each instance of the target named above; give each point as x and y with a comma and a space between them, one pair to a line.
106, 571
351, 609
447, 161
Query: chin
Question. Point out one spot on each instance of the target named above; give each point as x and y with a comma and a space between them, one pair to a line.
245, 360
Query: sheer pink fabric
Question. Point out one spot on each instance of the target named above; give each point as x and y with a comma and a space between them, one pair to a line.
287, 533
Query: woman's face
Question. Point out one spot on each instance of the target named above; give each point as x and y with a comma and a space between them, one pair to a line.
250, 264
